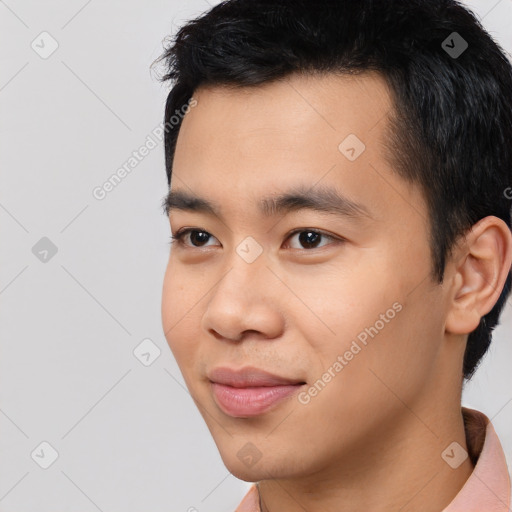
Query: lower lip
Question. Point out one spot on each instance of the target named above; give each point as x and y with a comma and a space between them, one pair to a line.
245, 402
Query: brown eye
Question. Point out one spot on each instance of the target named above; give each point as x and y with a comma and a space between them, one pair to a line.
198, 237
312, 238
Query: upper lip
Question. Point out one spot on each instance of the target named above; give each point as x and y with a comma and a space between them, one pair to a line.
249, 377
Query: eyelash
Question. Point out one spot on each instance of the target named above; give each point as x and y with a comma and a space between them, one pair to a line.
178, 237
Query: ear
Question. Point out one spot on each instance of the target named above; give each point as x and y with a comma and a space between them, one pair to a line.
483, 261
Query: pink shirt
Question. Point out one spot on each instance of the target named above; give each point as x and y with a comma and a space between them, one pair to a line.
486, 490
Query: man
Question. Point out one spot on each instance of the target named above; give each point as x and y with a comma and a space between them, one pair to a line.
341, 247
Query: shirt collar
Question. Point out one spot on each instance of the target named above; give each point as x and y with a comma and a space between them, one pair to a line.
488, 487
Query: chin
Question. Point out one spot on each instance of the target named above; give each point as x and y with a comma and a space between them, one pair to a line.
253, 471
248, 471
245, 474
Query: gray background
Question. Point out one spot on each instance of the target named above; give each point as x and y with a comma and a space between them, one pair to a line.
128, 436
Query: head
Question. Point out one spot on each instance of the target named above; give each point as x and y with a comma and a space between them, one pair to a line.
379, 108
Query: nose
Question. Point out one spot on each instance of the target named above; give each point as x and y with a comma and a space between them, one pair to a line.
246, 299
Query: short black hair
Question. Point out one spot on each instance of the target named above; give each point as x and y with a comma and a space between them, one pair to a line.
451, 86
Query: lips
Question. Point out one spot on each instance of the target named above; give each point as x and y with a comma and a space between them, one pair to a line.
250, 391
249, 377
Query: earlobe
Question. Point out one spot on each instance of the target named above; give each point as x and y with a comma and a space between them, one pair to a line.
484, 260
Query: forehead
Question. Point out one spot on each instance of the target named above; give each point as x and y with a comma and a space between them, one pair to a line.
324, 131
322, 102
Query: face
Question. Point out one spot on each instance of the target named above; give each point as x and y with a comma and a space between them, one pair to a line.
296, 325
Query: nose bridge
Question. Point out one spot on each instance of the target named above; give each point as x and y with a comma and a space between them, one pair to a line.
240, 302
246, 268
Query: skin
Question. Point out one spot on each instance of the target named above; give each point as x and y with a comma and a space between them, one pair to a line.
372, 438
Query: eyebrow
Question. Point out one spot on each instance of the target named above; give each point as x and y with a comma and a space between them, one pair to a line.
319, 199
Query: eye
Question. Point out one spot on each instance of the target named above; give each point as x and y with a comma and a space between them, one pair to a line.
308, 238
197, 235
311, 238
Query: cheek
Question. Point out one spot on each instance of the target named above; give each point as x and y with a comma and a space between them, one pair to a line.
364, 374
181, 294
180, 319
338, 304
391, 358
368, 317
170, 304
